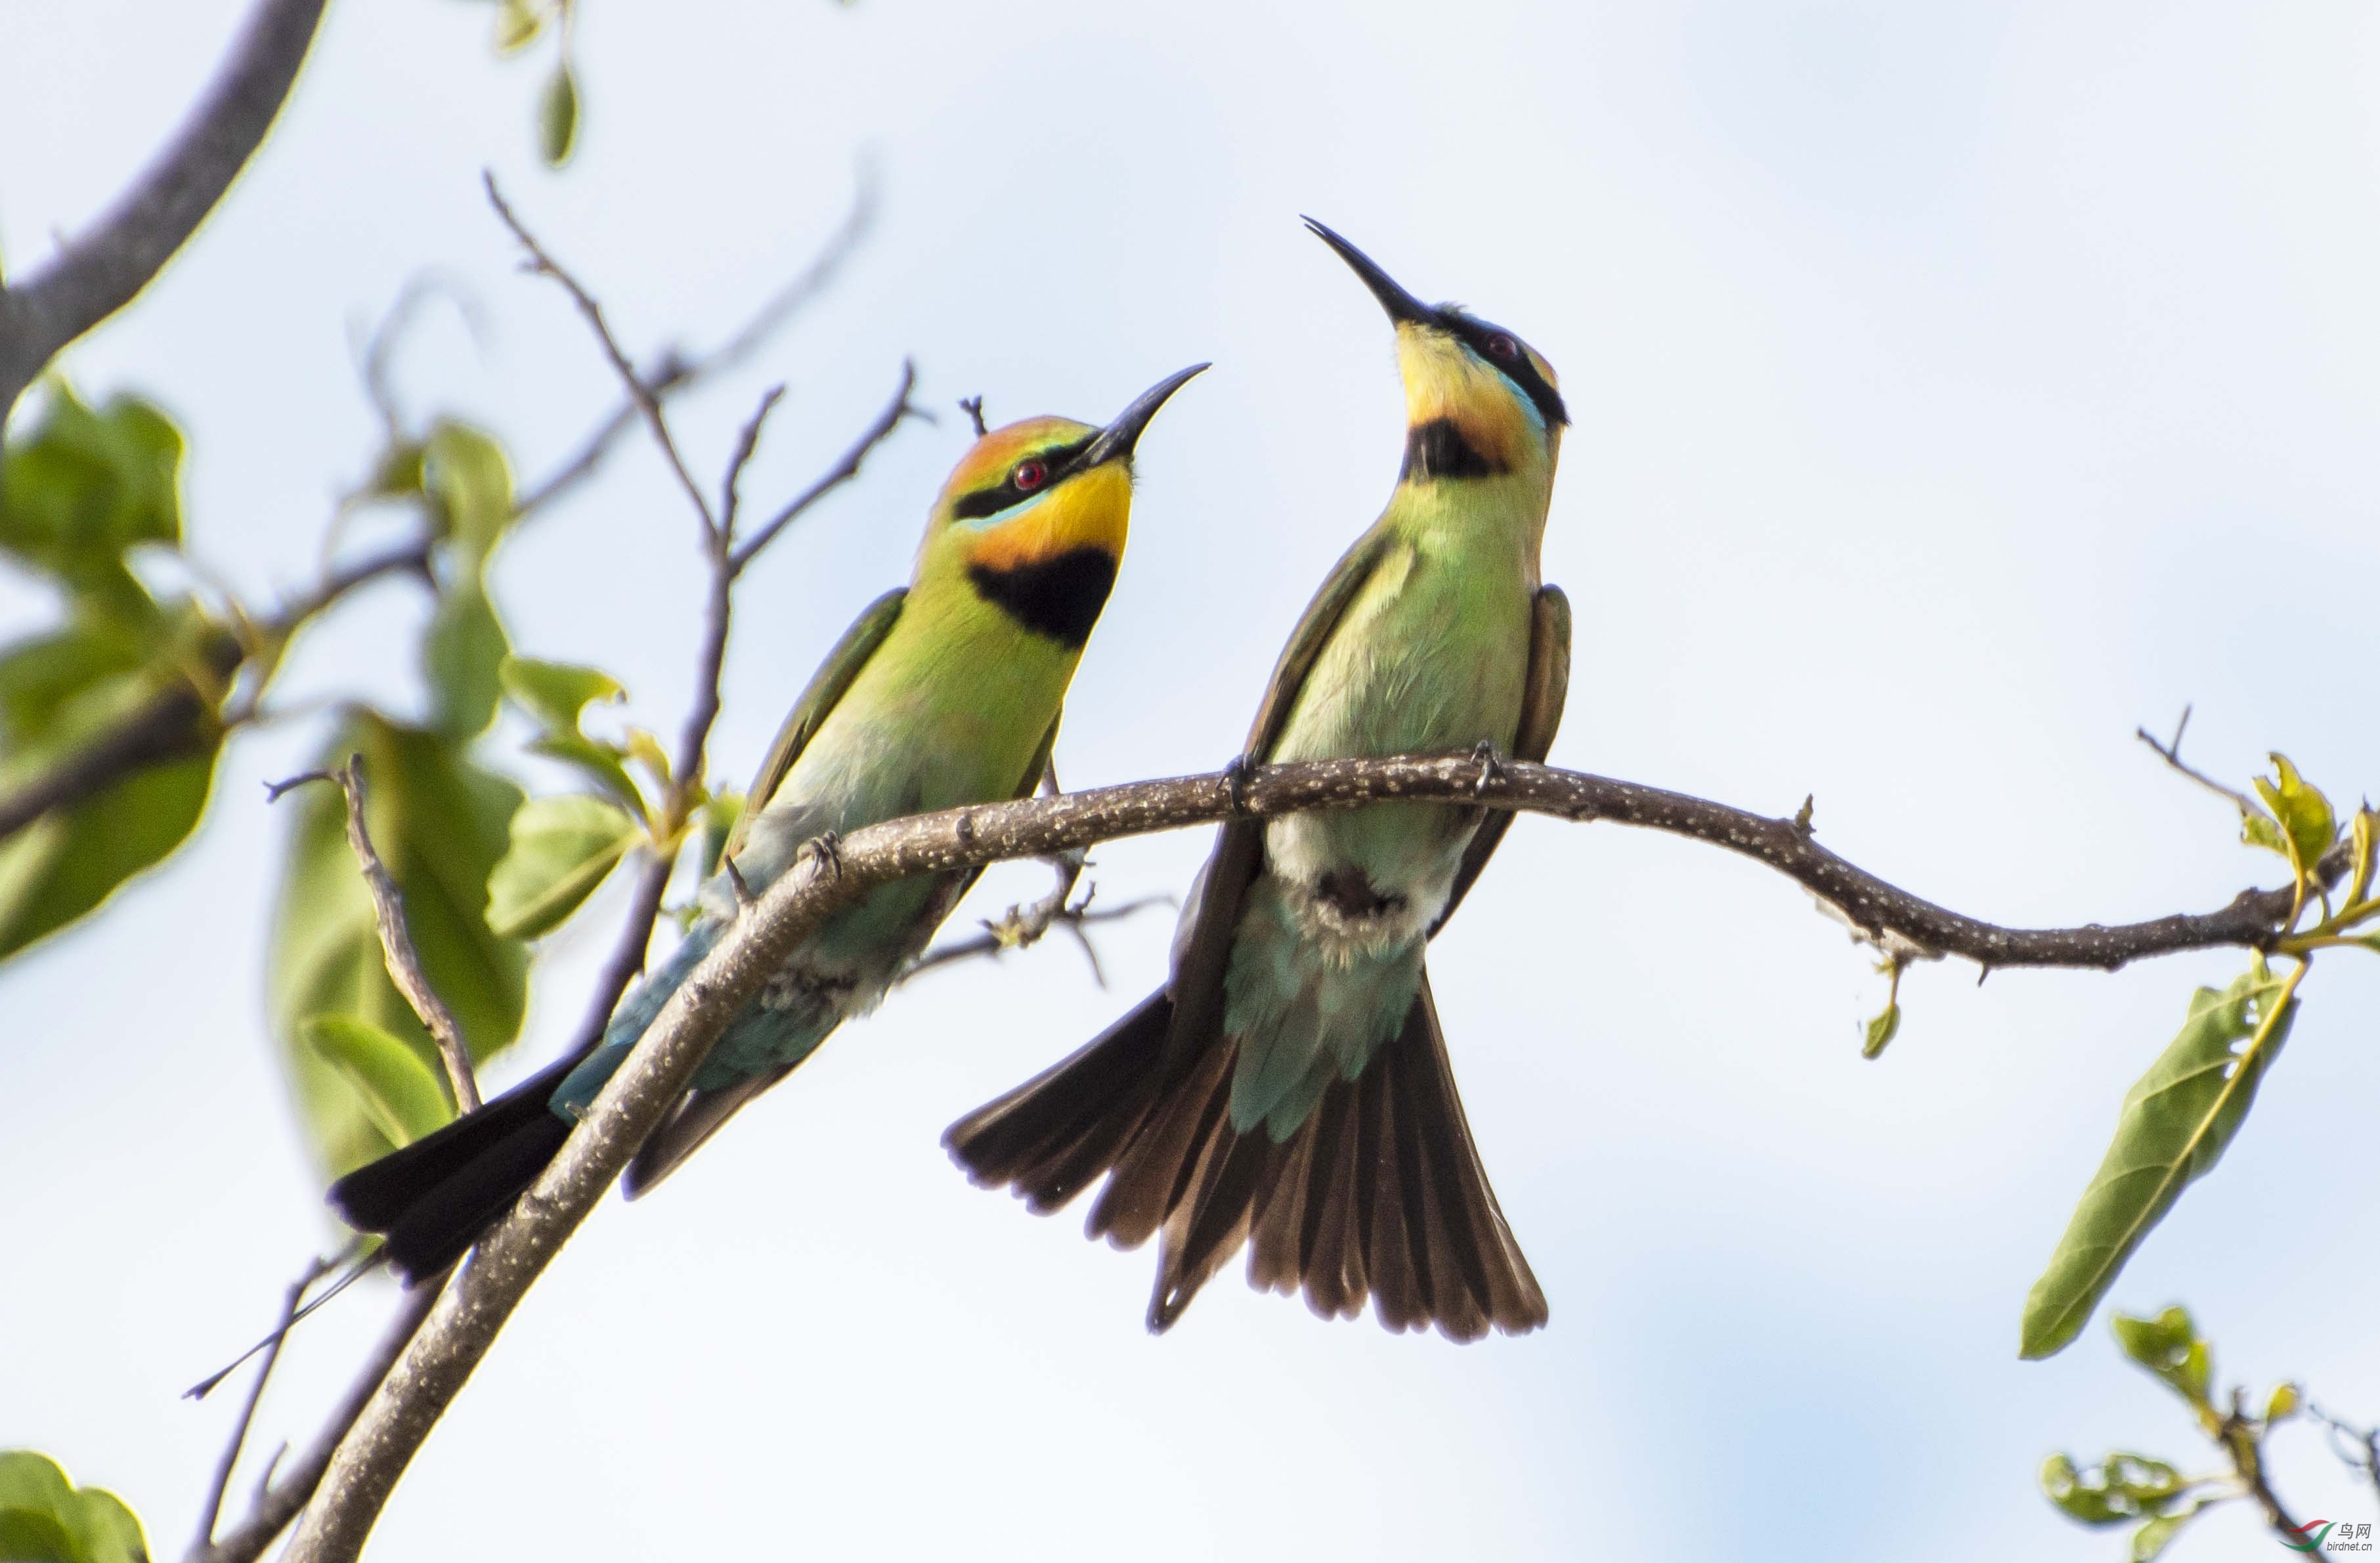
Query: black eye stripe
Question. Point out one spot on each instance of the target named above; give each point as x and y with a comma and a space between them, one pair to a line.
1058, 463
1477, 334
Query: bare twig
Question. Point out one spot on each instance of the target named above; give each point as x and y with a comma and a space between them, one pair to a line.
101, 271
1027, 923
396, 943
647, 403
627, 956
972, 407
2171, 754
212, 1510
731, 497
676, 372
278, 1503
2361, 1452
842, 472
516, 1251
2243, 1438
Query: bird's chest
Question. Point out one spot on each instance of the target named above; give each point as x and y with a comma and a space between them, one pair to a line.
1433, 656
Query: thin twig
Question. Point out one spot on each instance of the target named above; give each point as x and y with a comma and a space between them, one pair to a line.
627, 956
842, 472
1027, 923
972, 407
2171, 754
2365, 1457
676, 372
509, 1259
403, 961
731, 496
278, 1503
647, 403
2242, 1438
101, 271
212, 1510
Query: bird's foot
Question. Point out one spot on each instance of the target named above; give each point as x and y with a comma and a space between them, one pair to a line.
1491, 768
826, 849
1235, 782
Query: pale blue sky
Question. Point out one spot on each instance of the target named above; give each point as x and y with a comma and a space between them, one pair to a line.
1955, 387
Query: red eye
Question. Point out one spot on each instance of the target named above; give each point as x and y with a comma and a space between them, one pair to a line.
1028, 476
1503, 346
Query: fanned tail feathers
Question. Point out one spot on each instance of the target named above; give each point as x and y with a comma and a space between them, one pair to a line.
434, 1198
1379, 1196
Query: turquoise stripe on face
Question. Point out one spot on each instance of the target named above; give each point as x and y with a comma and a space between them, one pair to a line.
998, 517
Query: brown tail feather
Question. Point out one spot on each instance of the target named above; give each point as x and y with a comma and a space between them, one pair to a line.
1380, 1195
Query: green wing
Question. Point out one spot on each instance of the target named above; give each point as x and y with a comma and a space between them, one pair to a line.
826, 690
1206, 954
1541, 709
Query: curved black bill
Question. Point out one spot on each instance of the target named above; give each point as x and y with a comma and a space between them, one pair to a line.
1400, 304
1119, 437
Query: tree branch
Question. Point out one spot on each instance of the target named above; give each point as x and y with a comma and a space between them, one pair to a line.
638, 392
509, 1260
278, 1503
397, 942
842, 472
212, 1510
675, 373
99, 273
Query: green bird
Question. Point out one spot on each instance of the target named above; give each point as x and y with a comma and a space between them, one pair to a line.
1289, 1083
944, 694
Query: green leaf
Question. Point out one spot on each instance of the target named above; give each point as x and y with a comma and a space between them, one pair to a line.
2282, 1403
441, 823
83, 486
399, 1093
517, 25
61, 692
557, 693
2151, 1539
460, 655
463, 469
1881, 1031
2176, 1121
44, 1517
2169, 1346
2121, 1487
2306, 817
557, 116
600, 763
562, 848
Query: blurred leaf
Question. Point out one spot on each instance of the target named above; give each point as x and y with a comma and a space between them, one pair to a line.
61, 692
557, 693
646, 750
461, 654
2263, 830
557, 116
517, 25
44, 1517
2151, 1539
441, 823
2175, 1123
1881, 1031
465, 471
562, 848
2169, 1346
400, 1094
82, 487
2305, 816
719, 817
2282, 1404
2121, 1487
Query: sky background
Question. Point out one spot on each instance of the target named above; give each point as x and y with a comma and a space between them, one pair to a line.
1955, 387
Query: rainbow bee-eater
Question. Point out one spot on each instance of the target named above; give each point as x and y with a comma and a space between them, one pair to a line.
1288, 1085
944, 693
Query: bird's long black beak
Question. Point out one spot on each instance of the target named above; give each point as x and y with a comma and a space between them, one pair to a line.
1401, 306
1116, 441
